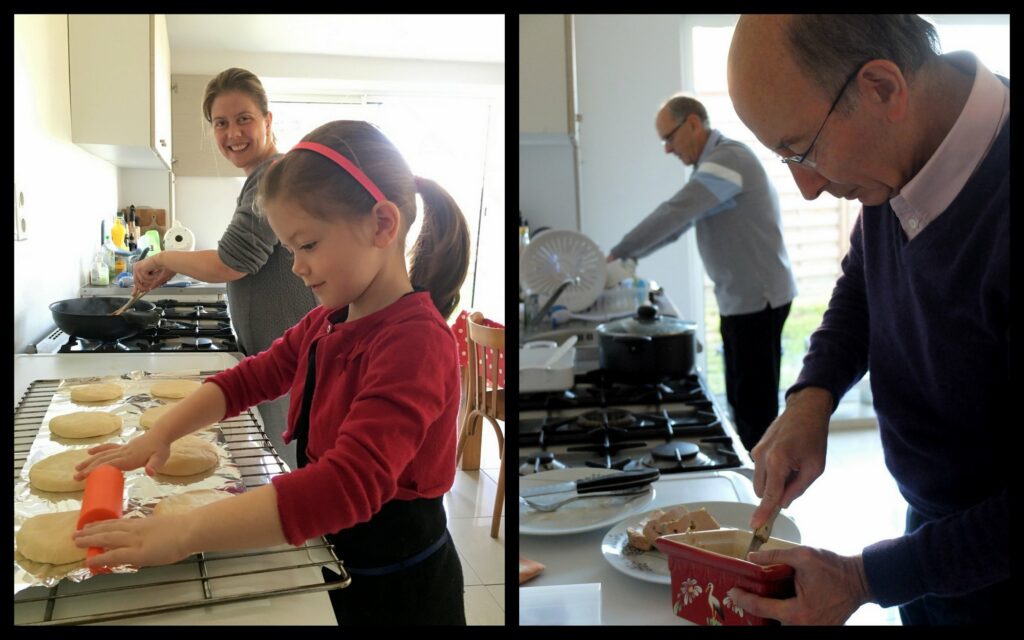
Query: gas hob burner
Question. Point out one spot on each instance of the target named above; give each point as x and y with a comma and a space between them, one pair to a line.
675, 451
193, 344
606, 418
675, 456
541, 462
608, 462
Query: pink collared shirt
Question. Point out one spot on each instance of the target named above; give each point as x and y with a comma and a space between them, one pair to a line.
935, 186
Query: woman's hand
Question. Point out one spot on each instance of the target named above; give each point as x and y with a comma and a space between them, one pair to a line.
139, 542
150, 273
146, 450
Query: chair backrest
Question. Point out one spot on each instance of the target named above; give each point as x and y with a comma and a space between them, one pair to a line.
486, 348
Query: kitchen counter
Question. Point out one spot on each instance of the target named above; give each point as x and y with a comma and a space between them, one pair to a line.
577, 558
307, 608
197, 288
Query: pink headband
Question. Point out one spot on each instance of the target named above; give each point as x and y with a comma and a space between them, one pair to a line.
345, 164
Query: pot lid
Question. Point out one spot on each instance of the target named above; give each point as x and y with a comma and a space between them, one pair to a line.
647, 322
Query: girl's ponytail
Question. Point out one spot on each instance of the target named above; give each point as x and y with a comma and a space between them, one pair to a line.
440, 256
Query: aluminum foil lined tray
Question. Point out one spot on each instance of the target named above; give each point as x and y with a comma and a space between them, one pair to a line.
142, 492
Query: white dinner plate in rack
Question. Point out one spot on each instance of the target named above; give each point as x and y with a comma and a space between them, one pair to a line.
558, 255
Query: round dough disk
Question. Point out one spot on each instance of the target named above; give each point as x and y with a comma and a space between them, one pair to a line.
96, 392
56, 472
47, 538
190, 455
85, 424
149, 416
185, 502
174, 388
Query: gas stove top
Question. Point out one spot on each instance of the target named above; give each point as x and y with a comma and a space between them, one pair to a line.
672, 426
183, 326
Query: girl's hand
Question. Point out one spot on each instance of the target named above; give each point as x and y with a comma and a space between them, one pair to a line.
146, 450
136, 541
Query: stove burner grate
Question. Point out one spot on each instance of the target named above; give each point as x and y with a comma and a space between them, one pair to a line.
606, 418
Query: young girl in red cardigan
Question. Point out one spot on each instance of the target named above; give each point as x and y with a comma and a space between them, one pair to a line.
374, 379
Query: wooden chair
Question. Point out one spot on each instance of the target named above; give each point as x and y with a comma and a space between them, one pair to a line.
484, 400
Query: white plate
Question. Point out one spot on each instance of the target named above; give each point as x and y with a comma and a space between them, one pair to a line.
588, 514
652, 565
556, 255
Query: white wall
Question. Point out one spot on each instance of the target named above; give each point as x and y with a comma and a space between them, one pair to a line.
205, 206
626, 67
144, 187
547, 185
543, 86
67, 190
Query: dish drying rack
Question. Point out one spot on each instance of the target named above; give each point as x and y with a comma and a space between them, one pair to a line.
206, 579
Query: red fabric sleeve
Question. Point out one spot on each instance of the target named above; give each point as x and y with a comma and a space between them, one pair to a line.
269, 374
397, 439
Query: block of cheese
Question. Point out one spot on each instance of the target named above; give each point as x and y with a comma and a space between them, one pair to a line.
699, 520
636, 533
660, 522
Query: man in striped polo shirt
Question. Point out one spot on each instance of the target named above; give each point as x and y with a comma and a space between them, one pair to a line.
735, 211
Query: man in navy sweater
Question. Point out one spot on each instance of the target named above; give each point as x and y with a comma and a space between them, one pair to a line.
922, 141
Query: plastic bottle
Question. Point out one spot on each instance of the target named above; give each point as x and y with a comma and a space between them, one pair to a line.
117, 234
99, 275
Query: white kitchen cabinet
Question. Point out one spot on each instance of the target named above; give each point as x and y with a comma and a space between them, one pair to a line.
544, 75
120, 72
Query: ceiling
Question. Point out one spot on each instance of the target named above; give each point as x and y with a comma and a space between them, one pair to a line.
466, 38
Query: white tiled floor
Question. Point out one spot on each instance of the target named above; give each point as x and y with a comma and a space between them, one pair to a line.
853, 504
469, 506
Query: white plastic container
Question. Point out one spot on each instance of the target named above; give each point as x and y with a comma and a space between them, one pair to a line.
560, 604
533, 377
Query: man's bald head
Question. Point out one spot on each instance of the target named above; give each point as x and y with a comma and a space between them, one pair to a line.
760, 73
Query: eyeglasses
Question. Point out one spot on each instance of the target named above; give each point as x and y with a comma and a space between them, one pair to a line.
802, 158
671, 133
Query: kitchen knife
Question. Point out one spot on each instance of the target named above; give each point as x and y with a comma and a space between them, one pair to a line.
762, 533
611, 482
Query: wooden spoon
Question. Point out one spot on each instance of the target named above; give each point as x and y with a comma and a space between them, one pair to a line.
136, 295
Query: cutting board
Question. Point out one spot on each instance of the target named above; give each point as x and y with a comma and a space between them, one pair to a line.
152, 219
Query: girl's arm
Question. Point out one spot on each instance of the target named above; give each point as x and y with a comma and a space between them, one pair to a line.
201, 408
247, 521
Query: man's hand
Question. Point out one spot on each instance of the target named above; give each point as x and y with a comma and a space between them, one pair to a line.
829, 587
791, 454
611, 258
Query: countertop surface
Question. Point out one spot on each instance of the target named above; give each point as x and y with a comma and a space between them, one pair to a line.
577, 558
195, 288
308, 608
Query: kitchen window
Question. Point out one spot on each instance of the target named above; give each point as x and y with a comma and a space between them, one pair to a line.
816, 232
456, 141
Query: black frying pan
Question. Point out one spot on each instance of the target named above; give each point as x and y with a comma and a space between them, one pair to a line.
90, 317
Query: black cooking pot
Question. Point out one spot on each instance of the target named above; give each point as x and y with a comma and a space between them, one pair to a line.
648, 347
90, 317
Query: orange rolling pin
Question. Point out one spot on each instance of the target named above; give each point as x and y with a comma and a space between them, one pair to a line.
103, 500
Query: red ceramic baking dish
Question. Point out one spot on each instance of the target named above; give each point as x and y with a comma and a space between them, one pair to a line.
705, 564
